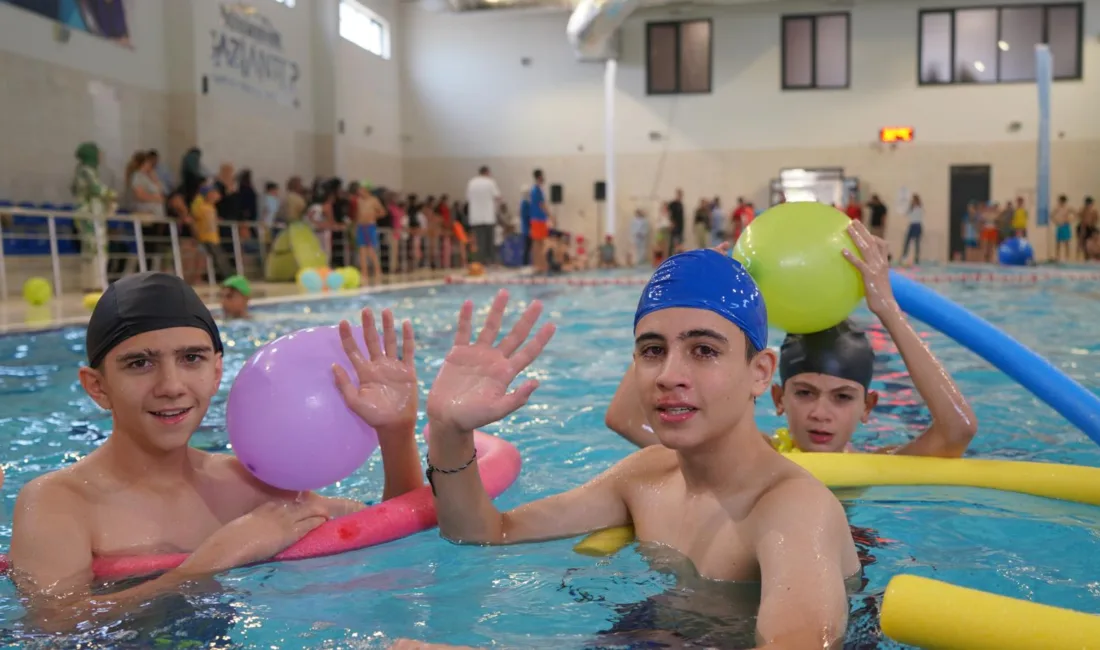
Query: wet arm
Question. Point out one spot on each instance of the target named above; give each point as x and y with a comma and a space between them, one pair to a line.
400, 465
953, 421
467, 514
801, 549
625, 415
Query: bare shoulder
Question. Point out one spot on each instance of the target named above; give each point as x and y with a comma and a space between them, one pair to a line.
804, 508
644, 468
800, 499
646, 463
63, 490
228, 471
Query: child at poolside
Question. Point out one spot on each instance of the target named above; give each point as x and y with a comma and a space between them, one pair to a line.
714, 491
155, 361
236, 292
825, 379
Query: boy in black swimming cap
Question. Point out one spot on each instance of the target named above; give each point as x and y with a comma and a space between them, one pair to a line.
825, 378
714, 491
155, 362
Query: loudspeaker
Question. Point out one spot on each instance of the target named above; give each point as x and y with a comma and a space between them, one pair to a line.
556, 192
601, 191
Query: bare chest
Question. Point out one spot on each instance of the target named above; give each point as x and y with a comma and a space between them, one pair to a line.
716, 538
143, 522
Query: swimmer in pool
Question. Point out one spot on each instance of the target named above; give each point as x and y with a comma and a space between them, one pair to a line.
825, 379
236, 292
714, 490
155, 361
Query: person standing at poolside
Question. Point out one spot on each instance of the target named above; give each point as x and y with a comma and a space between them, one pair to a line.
155, 362
825, 379
539, 212
714, 491
368, 210
1062, 218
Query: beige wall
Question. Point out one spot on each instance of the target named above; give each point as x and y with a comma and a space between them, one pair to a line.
49, 109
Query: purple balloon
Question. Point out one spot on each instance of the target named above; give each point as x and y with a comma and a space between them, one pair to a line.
288, 422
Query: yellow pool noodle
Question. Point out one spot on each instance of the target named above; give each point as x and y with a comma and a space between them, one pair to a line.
1051, 480
938, 616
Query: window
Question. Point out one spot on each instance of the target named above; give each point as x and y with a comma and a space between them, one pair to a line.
678, 57
364, 28
289, 3
997, 44
816, 51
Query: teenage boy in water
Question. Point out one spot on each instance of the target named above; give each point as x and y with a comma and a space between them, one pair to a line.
825, 379
155, 362
714, 490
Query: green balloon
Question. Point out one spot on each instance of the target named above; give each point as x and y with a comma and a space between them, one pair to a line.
793, 251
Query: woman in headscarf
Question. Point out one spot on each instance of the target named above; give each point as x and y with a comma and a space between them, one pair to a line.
91, 196
192, 174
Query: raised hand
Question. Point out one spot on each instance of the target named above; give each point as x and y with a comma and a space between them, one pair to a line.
874, 267
471, 389
384, 391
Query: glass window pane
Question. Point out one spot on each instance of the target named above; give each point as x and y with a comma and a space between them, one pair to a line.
1021, 29
1064, 36
975, 45
661, 58
695, 56
935, 48
797, 52
831, 50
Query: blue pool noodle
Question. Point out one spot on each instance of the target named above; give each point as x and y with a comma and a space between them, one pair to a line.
1076, 403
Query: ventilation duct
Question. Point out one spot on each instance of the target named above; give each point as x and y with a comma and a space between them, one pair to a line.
594, 25
485, 5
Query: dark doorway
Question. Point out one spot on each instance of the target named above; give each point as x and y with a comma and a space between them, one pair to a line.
968, 183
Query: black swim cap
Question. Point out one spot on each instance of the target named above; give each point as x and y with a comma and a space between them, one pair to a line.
840, 351
145, 302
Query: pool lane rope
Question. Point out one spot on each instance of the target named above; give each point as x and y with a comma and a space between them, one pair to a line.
942, 278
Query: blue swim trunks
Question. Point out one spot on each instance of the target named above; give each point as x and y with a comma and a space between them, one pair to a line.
1063, 233
367, 235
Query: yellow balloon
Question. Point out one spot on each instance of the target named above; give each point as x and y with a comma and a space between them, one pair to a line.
793, 251
352, 277
37, 291
90, 300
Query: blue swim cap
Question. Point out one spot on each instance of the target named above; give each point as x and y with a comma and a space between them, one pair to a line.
706, 279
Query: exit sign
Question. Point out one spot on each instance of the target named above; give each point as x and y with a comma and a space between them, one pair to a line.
896, 134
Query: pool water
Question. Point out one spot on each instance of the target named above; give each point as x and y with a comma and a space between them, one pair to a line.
543, 595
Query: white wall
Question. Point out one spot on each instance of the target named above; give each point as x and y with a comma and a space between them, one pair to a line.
368, 102
466, 92
29, 35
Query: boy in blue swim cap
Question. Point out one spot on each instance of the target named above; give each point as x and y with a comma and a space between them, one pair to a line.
155, 363
824, 386
714, 491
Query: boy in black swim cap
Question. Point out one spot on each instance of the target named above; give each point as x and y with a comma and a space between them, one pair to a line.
155, 362
825, 379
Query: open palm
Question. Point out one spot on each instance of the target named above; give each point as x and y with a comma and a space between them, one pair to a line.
384, 390
471, 389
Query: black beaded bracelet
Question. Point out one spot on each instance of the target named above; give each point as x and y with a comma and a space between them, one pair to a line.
432, 469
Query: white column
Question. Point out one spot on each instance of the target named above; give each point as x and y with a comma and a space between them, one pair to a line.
611, 67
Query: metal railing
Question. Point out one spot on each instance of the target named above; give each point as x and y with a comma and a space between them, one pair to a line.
124, 238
